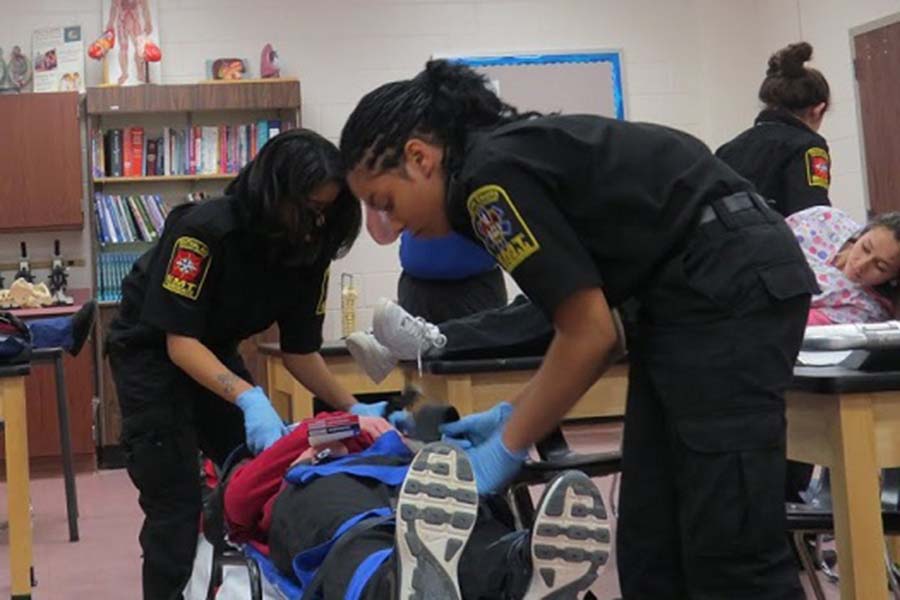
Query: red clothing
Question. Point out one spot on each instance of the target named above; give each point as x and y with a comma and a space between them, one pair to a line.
255, 484
817, 317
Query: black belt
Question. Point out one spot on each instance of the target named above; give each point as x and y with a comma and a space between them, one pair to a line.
718, 210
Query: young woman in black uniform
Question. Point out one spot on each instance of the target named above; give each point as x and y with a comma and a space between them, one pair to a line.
223, 270
586, 212
787, 160
783, 154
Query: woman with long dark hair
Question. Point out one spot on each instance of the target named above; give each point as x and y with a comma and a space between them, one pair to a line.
223, 270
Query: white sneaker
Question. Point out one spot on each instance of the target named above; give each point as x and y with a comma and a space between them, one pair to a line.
376, 360
406, 336
436, 513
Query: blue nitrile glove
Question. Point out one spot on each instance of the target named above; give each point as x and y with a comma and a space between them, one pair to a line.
494, 464
403, 421
261, 423
477, 428
376, 409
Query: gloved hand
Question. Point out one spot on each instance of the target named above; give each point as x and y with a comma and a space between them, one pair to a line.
475, 429
402, 420
494, 464
376, 409
262, 424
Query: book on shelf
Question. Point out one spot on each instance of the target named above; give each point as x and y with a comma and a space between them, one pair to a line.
134, 155
112, 267
114, 153
98, 154
134, 218
195, 150
152, 157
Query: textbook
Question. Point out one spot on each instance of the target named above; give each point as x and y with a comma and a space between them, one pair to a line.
331, 429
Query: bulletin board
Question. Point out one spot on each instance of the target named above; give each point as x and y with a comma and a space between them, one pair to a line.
571, 82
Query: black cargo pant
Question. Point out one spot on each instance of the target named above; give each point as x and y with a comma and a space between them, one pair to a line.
166, 419
702, 504
306, 516
439, 300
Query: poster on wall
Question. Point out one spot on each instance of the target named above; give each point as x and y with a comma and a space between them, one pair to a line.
58, 54
579, 81
133, 28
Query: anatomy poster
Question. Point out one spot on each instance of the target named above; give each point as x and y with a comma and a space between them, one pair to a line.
132, 28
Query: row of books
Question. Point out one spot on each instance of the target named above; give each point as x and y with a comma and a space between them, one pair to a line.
196, 150
129, 218
112, 267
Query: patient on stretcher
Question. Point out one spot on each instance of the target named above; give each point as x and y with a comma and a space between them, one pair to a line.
367, 518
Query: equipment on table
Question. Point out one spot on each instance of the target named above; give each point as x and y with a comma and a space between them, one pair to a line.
852, 336
348, 304
24, 271
59, 276
861, 346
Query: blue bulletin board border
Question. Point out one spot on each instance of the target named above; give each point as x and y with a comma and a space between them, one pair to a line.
549, 58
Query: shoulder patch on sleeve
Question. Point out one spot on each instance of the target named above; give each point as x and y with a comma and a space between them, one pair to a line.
818, 167
187, 268
500, 227
323, 293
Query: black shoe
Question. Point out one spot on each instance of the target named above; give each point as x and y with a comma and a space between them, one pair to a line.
570, 539
436, 513
82, 324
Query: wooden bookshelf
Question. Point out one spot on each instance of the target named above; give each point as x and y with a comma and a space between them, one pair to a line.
164, 178
259, 94
153, 107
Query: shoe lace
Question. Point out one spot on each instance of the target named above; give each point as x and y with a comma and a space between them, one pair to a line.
427, 334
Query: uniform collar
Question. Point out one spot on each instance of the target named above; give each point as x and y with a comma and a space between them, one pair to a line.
455, 200
779, 115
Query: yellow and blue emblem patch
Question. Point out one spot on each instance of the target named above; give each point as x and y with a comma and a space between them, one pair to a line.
500, 227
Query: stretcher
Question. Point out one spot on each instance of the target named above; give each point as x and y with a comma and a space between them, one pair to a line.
242, 573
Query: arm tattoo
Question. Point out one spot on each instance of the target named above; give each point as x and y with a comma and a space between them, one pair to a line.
227, 380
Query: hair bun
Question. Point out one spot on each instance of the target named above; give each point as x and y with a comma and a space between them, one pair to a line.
788, 62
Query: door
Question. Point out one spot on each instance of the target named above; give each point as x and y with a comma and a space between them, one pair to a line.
877, 65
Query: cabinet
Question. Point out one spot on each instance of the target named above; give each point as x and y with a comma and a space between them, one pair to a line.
41, 183
43, 422
164, 113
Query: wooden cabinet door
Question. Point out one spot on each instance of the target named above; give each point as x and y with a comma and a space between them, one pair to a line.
40, 162
43, 420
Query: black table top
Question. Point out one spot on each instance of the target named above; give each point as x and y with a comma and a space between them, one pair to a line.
822, 380
15, 370
833, 380
330, 348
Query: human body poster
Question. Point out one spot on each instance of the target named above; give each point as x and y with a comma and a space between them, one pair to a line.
135, 25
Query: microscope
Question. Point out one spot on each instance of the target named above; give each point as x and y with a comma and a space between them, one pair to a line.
59, 276
24, 271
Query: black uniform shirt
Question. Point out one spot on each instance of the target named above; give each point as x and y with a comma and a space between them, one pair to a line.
786, 160
209, 278
570, 202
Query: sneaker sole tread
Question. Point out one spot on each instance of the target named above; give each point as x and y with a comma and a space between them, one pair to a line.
570, 540
436, 512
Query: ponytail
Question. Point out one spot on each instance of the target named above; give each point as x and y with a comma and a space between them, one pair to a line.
791, 85
441, 105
